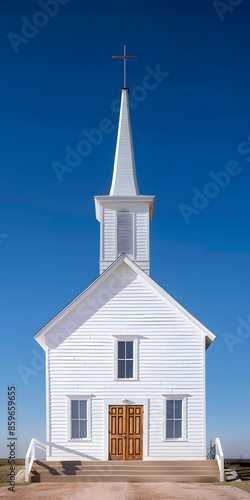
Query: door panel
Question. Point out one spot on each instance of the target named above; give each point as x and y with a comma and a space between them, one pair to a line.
117, 432
125, 432
134, 432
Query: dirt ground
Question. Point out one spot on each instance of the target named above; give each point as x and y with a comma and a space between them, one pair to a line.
5, 469
125, 491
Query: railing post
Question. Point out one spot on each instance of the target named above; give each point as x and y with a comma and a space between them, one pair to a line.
34, 451
31, 456
26, 469
219, 457
222, 469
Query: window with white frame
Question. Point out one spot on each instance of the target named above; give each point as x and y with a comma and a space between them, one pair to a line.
174, 419
126, 357
78, 419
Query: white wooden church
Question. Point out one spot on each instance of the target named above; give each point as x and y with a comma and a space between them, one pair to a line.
125, 362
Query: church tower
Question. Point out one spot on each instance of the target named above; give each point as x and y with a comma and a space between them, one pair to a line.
124, 214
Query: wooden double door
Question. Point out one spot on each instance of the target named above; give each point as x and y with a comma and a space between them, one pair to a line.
125, 432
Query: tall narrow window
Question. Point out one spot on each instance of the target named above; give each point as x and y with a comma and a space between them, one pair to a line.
125, 359
78, 419
174, 419
125, 232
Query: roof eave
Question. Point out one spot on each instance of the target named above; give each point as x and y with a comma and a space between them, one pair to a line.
40, 336
107, 199
74, 303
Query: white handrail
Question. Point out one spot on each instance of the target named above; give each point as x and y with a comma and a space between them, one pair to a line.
31, 455
219, 455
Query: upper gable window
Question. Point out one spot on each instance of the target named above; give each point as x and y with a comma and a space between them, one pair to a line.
125, 232
126, 357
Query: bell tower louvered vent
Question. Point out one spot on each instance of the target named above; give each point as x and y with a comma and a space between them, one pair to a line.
125, 232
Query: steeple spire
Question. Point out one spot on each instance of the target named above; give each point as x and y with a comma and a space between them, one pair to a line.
124, 182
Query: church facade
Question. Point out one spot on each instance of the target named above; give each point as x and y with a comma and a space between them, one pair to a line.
125, 362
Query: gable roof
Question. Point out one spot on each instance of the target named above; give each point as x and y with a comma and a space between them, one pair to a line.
123, 258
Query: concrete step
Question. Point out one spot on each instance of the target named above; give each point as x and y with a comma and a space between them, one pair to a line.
125, 466
143, 463
101, 472
138, 478
125, 471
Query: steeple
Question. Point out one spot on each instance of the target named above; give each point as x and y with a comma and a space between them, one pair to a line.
124, 182
124, 214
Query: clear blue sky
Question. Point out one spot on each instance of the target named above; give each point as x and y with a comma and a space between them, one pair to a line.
62, 80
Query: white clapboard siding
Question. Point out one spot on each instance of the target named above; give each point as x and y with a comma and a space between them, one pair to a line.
142, 235
171, 360
109, 234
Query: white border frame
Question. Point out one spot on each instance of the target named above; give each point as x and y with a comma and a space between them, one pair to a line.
204, 398
102, 233
48, 412
130, 402
135, 340
169, 397
77, 397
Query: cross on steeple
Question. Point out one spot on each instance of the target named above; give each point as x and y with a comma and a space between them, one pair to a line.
124, 57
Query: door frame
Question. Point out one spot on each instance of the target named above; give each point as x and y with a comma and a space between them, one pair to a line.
126, 436
125, 402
